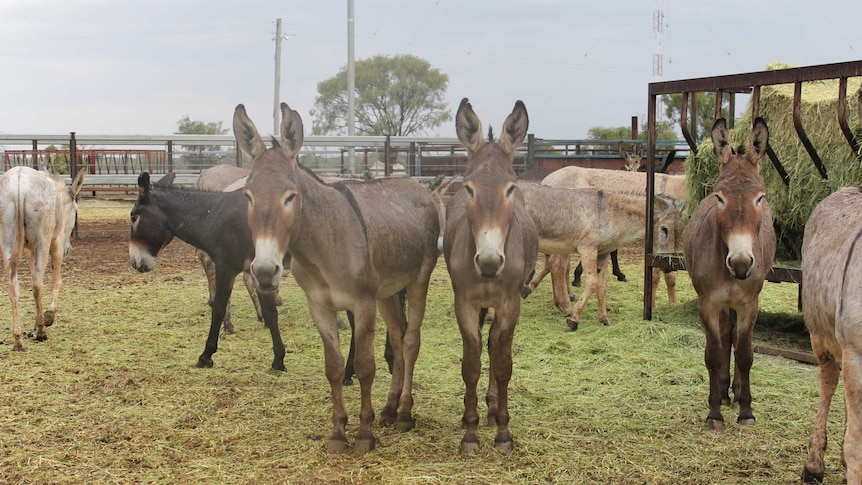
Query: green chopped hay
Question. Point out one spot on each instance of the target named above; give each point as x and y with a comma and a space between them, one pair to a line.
791, 205
112, 397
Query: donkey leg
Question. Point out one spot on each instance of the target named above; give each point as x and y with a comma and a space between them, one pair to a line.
471, 367
743, 355
38, 264
270, 316
670, 282
576, 277
852, 372
714, 360
248, 279
616, 267
500, 351
396, 326
559, 281
589, 259
327, 327
224, 287
349, 368
726, 331
57, 250
365, 313
602, 290
14, 294
537, 277
827, 377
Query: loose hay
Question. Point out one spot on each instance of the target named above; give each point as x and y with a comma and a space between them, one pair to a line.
792, 205
113, 397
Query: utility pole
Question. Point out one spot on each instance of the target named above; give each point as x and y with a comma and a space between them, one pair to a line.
658, 52
276, 115
351, 88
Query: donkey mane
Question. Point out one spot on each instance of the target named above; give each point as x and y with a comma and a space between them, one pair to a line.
490, 134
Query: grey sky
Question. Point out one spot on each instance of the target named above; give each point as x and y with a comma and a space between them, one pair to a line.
137, 67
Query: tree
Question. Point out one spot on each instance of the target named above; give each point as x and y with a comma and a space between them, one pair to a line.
398, 95
204, 155
664, 132
704, 117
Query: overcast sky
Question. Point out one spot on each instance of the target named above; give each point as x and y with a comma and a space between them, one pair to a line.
137, 67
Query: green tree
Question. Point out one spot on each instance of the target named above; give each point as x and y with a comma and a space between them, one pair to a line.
704, 116
398, 95
664, 132
202, 155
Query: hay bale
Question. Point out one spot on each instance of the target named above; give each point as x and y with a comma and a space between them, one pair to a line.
791, 205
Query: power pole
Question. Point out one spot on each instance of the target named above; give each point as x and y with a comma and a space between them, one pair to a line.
276, 115
351, 88
658, 56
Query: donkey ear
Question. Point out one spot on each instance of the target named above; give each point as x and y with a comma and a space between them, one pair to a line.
77, 184
514, 128
247, 138
143, 183
721, 142
291, 132
757, 142
167, 179
468, 127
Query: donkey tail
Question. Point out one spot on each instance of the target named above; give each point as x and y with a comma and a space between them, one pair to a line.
18, 241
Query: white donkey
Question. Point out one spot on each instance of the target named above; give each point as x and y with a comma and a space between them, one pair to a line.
37, 213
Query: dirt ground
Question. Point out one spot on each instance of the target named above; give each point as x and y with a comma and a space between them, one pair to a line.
102, 248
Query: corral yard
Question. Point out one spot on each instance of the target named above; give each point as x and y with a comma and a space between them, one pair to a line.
113, 397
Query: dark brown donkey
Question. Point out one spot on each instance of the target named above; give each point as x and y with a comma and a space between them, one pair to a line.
353, 247
832, 268
490, 244
729, 246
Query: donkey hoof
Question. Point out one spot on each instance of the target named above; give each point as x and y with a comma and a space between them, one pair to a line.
49, 318
715, 424
505, 445
746, 421
405, 422
18, 347
336, 446
204, 363
347, 381
606, 321
41, 338
811, 477
572, 322
526, 291
622, 278
469, 446
363, 444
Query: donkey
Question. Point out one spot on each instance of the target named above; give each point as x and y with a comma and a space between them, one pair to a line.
490, 245
670, 277
729, 246
354, 247
37, 214
214, 222
592, 223
831, 267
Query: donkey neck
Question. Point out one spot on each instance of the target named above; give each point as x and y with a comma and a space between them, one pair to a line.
194, 215
329, 218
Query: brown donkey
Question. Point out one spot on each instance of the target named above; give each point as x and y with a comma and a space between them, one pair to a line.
729, 246
490, 245
353, 247
831, 268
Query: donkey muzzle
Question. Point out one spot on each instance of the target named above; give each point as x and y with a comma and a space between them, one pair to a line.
490, 258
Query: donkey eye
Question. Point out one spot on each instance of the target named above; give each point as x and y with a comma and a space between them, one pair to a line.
469, 190
510, 191
721, 201
135, 219
759, 201
289, 198
248, 196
